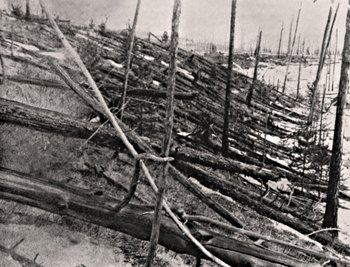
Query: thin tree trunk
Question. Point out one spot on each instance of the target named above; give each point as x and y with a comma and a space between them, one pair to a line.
255, 77
335, 58
280, 42
325, 45
168, 126
321, 118
291, 50
331, 213
27, 9
290, 37
121, 134
225, 135
128, 59
299, 77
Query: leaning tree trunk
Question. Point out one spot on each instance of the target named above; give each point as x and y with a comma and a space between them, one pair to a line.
225, 135
331, 214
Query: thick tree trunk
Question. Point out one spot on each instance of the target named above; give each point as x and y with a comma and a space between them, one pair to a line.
225, 134
331, 214
53, 122
134, 220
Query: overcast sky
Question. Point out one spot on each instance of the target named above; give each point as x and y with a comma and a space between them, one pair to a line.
208, 19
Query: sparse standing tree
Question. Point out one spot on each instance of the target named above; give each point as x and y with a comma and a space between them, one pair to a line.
255, 77
331, 214
225, 135
27, 9
168, 126
280, 41
325, 45
128, 59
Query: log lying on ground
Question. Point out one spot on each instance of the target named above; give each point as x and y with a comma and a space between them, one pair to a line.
229, 189
134, 220
233, 166
161, 94
53, 122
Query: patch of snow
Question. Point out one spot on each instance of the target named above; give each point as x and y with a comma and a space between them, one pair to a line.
186, 73
183, 134
114, 64
235, 91
148, 58
164, 64
156, 83
95, 120
108, 48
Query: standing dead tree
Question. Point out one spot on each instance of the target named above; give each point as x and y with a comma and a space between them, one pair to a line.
168, 126
335, 58
291, 50
225, 134
116, 125
27, 16
280, 42
331, 213
128, 59
255, 77
325, 45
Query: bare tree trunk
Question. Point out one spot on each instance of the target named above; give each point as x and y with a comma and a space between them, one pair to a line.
290, 37
255, 77
291, 50
331, 213
299, 77
335, 58
325, 44
128, 59
225, 134
168, 126
27, 9
280, 42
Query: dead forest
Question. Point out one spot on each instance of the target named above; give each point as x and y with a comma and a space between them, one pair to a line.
141, 137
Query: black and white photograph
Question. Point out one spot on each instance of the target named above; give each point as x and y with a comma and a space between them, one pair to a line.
174, 133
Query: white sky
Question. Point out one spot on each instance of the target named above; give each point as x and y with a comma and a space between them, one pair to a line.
208, 19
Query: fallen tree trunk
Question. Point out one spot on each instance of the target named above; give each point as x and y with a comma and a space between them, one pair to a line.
229, 189
49, 121
161, 94
134, 220
54, 122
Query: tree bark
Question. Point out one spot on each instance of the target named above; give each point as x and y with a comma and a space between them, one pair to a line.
133, 220
255, 77
128, 58
226, 127
168, 126
280, 42
325, 45
331, 213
